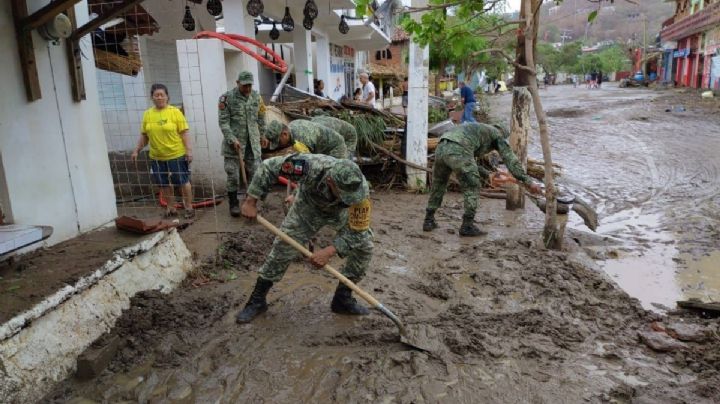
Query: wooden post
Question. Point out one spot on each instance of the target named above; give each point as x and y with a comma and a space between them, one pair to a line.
514, 197
77, 80
27, 51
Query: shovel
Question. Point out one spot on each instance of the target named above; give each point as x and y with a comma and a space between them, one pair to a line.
242, 169
355, 288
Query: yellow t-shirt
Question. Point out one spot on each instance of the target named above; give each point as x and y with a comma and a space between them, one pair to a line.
163, 128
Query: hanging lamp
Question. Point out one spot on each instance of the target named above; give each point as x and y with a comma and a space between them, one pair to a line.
310, 10
255, 7
188, 22
343, 27
287, 22
274, 33
307, 23
214, 7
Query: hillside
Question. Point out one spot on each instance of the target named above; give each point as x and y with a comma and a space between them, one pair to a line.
620, 22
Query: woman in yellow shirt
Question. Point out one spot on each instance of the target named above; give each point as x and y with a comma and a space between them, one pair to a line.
166, 130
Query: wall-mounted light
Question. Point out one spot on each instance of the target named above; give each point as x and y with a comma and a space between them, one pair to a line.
58, 27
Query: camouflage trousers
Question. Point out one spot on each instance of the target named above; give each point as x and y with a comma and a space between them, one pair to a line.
302, 222
450, 158
232, 169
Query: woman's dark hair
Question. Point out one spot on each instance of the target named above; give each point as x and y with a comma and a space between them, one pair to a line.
158, 86
358, 90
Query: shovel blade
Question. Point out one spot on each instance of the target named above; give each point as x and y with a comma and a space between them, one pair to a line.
423, 337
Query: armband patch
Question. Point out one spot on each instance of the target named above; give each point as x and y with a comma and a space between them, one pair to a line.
359, 215
294, 167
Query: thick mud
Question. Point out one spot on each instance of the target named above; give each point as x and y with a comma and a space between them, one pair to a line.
511, 323
648, 161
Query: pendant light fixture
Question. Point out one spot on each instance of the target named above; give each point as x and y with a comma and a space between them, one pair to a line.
307, 23
274, 33
214, 7
310, 10
343, 27
287, 22
255, 7
188, 22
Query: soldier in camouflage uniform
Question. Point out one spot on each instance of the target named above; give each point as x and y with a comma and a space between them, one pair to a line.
307, 137
345, 130
242, 122
456, 153
332, 192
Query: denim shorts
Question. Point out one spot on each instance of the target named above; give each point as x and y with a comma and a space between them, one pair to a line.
166, 172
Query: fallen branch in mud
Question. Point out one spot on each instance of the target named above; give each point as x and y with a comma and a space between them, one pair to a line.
398, 158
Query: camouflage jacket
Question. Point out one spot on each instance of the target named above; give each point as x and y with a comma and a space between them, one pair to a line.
310, 172
345, 130
318, 138
478, 139
241, 118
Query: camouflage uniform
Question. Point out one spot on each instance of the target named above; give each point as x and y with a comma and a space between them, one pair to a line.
315, 206
241, 118
345, 130
456, 153
317, 139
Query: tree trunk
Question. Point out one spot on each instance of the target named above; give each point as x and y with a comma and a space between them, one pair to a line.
520, 128
552, 233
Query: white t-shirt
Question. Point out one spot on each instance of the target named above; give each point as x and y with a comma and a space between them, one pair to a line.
368, 88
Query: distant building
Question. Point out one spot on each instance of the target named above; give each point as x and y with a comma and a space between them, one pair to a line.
691, 43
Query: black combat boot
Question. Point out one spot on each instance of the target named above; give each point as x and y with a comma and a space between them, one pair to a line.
256, 304
468, 228
429, 223
234, 204
344, 303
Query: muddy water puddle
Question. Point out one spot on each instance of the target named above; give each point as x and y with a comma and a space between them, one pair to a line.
654, 178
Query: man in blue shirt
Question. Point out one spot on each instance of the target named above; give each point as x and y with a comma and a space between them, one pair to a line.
468, 100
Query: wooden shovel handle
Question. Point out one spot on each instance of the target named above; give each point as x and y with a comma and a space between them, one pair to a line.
284, 237
242, 169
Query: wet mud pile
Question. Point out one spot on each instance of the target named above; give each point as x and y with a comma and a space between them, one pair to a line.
508, 322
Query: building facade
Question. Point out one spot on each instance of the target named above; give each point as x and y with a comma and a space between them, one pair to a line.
691, 39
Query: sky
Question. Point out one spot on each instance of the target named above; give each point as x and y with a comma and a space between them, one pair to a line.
514, 5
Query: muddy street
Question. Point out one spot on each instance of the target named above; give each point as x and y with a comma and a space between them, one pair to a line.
648, 160
509, 321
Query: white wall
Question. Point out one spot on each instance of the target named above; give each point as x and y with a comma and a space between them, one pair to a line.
53, 150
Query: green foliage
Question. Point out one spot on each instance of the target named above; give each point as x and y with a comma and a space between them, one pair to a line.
558, 60
436, 115
614, 59
370, 128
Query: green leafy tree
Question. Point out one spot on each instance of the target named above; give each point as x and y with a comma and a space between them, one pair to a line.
548, 57
614, 59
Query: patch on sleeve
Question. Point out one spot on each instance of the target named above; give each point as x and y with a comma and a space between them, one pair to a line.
222, 103
293, 167
301, 147
359, 215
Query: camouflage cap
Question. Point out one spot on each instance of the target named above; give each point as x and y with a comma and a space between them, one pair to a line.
272, 133
504, 131
350, 182
245, 77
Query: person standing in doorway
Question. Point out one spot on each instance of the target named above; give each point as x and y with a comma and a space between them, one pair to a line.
166, 130
242, 122
468, 100
368, 90
405, 95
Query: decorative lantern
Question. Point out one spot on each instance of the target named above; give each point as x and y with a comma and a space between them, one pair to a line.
214, 7
343, 27
307, 23
188, 22
274, 33
287, 22
255, 7
311, 10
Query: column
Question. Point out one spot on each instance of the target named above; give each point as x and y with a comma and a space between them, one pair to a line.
322, 47
417, 122
302, 56
238, 21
